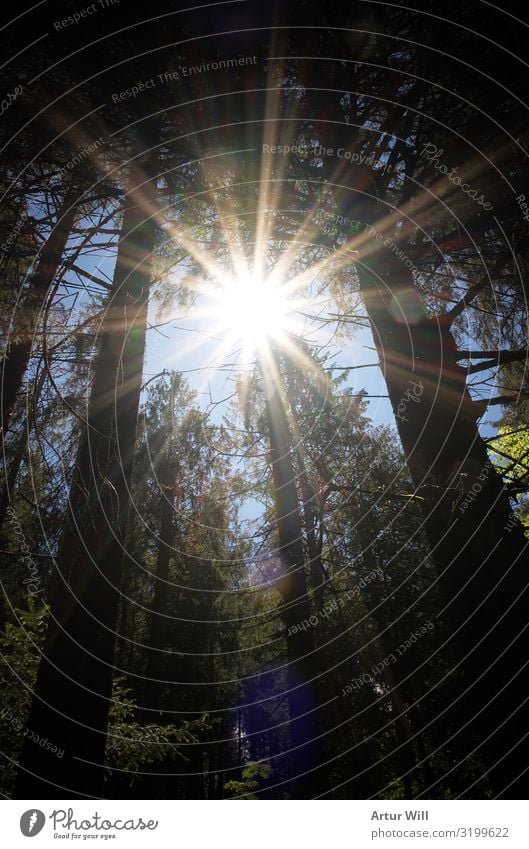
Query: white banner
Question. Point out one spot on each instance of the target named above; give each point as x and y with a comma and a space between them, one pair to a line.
268, 825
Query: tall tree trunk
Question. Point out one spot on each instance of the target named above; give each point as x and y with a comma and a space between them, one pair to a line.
318, 579
302, 670
13, 471
18, 352
18, 453
74, 682
477, 546
155, 662
6, 492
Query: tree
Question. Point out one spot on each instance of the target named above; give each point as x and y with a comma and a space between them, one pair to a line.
16, 358
302, 668
466, 510
279, 600
74, 681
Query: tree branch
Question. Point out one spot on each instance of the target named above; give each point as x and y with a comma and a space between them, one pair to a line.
504, 400
466, 300
497, 358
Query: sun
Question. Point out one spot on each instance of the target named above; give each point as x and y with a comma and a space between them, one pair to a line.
252, 309
242, 316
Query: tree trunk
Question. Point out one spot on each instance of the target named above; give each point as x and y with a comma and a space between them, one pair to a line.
155, 662
302, 670
74, 682
13, 471
477, 545
19, 452
310, 499
18, 352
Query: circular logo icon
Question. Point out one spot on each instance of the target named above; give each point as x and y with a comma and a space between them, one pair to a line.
31, 822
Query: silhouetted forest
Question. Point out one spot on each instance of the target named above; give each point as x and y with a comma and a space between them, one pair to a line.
264, 394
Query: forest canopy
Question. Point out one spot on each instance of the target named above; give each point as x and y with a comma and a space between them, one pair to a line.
265, 447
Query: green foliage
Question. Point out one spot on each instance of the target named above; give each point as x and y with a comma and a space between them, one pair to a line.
510, 456
252, 775
132, 746
19, 647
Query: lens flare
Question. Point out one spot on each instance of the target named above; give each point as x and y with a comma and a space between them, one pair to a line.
252, 309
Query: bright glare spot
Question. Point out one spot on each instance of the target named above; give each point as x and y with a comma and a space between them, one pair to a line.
252, 309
